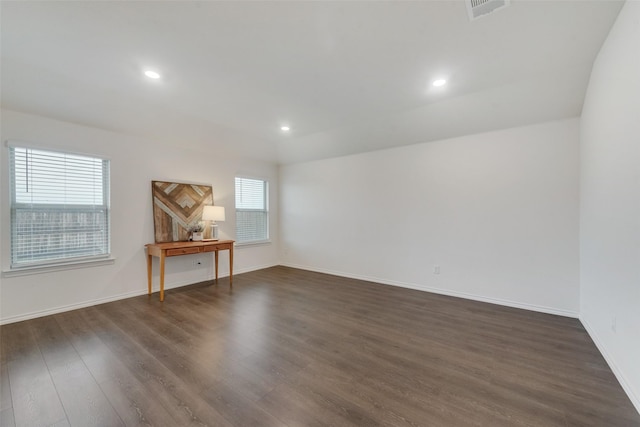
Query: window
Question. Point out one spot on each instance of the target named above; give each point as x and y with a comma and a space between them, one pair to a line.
252, 215
59, 207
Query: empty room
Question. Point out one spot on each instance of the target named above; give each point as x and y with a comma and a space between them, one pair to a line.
320, 213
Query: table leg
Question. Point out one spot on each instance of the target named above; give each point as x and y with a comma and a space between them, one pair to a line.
216, 256
149, 263
231, 266
162, 277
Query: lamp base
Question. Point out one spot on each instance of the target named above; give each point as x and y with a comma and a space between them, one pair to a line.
214, 231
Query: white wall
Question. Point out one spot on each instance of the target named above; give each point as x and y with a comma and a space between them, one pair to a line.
610, 201
498, 212
134, 164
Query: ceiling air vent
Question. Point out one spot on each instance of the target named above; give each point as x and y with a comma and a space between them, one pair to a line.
480, 8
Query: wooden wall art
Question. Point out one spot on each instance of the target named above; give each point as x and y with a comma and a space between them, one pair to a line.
178, 207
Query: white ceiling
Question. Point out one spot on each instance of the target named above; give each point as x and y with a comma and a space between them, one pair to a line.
347, 77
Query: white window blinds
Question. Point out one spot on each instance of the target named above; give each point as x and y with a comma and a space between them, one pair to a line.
252, 216
59, 207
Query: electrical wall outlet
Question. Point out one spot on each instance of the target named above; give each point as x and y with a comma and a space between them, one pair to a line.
436, 269
614, 324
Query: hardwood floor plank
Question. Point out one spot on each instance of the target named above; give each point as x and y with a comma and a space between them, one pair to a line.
288, 347
84, 402
217, 351
61, 423
237, 408
5, 389
134, 406
35, 400
6, 418
303, 408
183, 402
394, 409
128, 395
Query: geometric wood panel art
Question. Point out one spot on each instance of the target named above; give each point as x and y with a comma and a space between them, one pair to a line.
178, 207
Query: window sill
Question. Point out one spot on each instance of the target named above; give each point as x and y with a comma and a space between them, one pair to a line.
249, 244
39, 269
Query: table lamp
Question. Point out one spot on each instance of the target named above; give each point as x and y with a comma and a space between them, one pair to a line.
213, 214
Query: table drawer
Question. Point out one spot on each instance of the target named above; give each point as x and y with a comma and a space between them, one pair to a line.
182, 251
218, 247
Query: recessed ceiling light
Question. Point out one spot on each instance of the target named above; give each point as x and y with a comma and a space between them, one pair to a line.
285, 128
152, 74
439, 82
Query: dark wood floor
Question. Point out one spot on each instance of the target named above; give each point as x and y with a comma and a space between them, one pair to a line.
293, 348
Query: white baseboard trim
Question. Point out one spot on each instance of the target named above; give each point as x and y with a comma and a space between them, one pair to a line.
142, 291
626, 385
504, 302
62, 309
255, 268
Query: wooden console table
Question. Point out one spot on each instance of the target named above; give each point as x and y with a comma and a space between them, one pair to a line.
164, 250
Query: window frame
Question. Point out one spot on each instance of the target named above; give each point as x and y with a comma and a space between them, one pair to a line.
67, 262
266, 186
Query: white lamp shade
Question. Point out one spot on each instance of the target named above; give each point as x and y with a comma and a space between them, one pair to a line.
213, 213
